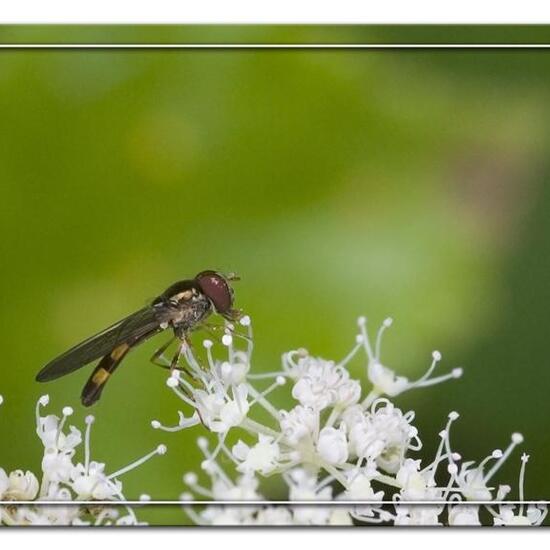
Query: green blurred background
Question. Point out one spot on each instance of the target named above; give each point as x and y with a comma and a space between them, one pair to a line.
410, 183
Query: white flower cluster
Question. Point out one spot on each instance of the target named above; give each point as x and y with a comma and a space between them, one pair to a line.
334, 444
64, 479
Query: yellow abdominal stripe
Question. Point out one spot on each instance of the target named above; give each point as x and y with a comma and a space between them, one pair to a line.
117, 353
100, 376
102, 373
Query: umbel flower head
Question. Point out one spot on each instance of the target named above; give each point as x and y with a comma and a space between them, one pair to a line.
343, 442
64, 479
338, 443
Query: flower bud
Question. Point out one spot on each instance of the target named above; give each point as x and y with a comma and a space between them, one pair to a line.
332, 446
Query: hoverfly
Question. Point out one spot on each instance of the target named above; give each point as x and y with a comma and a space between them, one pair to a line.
183, 307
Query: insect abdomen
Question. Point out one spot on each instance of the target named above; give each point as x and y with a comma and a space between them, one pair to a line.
101, 374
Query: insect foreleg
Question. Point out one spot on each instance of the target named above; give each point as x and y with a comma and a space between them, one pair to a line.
174, 365
158, 358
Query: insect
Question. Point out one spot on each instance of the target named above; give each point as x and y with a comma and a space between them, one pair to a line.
183, 307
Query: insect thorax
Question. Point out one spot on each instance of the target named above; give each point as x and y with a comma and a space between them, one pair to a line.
190, 315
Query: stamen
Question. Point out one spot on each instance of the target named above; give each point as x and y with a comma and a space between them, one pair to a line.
452, 469
209, 358
496, 454
362, 323
524, 459
245, 321
378, 347
436, 357
336, 475
517, 438
207, 344
259, 398
352, 353
193, 363
191, 480
89, 421
67, 411
174, 381
209, 464
160, 450
106, 514
425, 380
42, 402
503, 490
265, 375
184, 422
237, 398
227, 339
219, 385
189, 510
455, 373
324, 483
226, 368
453, 415
279, 381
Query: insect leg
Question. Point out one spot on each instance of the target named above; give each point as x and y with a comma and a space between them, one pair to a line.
158, 358
174, 365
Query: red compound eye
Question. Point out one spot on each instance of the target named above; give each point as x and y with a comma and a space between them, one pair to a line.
216, 288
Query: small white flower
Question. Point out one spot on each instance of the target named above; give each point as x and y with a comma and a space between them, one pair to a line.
333, 439
303, 486
57, 465
416, 484
274, 516
245, 488
299, 423
221, 411
92, 483
417, 515
50, 432
4, 483
22, 486
332, 445
472, 480
262, 457
517, 515
383, 434
321, 384
507, 515
360, 488
225, 515
238, 368
340, 517
63, 480
463, 514
384, 379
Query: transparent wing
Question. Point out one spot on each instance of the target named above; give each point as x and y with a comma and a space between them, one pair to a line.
138, 326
